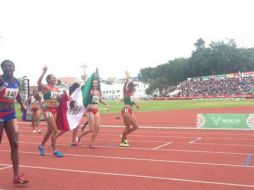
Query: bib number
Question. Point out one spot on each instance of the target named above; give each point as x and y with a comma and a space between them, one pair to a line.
96, 99
54, 95
11, 93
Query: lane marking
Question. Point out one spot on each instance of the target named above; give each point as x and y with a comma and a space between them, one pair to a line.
247, 160
247, 145
195, 140
177, 127
177, 130
68, 137
140, 176
182, 137
161, 136
175, 142
150, 149
5, 166
157, 147
138, 159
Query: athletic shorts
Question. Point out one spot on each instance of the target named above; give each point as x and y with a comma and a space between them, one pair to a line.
126, 110
7, 115
51, 110
94, 111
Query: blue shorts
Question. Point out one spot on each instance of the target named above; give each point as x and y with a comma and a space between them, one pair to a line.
7, 115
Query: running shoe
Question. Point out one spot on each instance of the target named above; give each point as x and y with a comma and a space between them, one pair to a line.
92, 146
34, 131
78, 139
20, 180
73, 144
125, 141
39, 131
58, 154
123, 144
42, 150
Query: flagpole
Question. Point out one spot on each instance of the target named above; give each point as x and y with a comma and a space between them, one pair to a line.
83, 77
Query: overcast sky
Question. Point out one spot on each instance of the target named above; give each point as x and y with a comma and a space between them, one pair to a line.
114, 35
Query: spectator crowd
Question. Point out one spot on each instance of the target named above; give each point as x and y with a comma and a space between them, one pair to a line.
212, 87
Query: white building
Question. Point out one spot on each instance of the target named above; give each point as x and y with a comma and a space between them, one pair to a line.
111, 91
115, 90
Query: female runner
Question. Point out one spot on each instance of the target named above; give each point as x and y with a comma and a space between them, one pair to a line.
127, 112
9, 92
93, 114
49, 106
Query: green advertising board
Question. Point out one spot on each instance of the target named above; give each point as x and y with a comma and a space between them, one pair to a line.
225, 121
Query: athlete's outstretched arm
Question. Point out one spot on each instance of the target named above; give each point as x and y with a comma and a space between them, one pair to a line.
126, 81
41, 77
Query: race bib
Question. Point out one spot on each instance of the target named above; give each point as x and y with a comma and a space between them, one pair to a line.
11, 93
54, 95
96, 99
132, 98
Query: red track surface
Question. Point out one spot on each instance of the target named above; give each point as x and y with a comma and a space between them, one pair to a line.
173, 118
157, 159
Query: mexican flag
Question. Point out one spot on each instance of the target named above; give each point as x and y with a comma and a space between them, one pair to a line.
71, 108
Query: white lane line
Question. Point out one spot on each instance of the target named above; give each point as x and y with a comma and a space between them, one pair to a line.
140, 176
157, 147
139, 159
176, 142
195, 140
180, 129
180, 137
162, 136
99, 139
150, 149
5, 166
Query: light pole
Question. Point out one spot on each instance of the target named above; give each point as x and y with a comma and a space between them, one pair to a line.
26, 85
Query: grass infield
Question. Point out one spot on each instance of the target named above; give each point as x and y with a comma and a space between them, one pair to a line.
160, 105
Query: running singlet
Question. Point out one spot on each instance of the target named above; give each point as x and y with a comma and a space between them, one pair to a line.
94, 97
34, 103
128, 100
50, 97
9, 91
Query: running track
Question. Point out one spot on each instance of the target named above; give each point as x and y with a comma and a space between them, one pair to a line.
158, 159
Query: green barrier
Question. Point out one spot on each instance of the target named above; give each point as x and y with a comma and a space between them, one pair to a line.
225, 121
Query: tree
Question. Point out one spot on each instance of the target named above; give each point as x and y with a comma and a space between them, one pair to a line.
200, 45
218, 58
